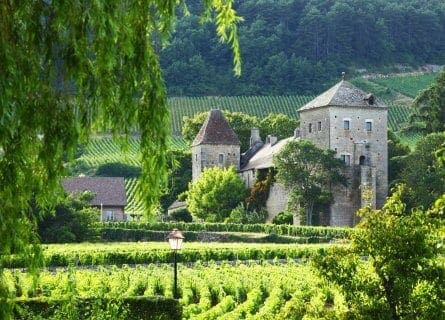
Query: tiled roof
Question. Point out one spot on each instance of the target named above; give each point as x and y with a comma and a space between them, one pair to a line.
263, 158
343, 94
109, 191
216, 130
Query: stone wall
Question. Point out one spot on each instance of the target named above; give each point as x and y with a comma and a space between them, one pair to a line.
277, 201
209, 155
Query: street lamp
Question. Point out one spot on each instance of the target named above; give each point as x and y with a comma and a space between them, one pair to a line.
175, 239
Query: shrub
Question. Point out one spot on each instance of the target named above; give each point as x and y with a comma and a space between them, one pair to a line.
283, 218
117, 169
180, 215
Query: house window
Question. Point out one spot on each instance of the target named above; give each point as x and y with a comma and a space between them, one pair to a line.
346, 124
368, 125
310, 127
221, 158
110, 215
319, 126
346, 158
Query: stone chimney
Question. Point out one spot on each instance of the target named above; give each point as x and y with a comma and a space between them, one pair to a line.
271, 139
254, 136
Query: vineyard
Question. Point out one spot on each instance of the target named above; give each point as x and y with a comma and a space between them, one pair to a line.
407, 85
207, 291
259, 106
131, 253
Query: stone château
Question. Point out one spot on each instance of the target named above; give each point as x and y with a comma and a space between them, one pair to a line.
344, 119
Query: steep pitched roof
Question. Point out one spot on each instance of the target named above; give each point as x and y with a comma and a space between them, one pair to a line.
263, 158
216, 130
109, 191
343, 94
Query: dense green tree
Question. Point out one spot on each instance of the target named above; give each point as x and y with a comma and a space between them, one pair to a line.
71, 222
396, 155
422, 173
429, 107
309, 173
213, 196
68, 68
117, 169
302, 46
241, 123
278, 124
392, 269
179, 176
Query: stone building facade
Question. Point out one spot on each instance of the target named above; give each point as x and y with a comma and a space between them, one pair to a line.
344, 119
354, 124
216, 144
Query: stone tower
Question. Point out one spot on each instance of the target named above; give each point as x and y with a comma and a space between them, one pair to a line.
354, 124
216, 144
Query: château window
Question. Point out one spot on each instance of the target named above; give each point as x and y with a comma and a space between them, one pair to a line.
310, 127
319, 126
221, 158
368, 125
346, 124
346, 158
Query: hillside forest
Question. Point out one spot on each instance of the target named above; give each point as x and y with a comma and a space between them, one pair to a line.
297, 47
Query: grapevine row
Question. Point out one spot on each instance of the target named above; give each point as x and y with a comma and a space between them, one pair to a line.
253, 291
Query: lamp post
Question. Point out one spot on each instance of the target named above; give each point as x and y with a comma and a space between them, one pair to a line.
175, 239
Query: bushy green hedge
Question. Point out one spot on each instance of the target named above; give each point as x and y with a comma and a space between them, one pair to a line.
132, 308
131, 235
284, 230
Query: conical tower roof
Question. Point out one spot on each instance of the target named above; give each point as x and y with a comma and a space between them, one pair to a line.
216, 130
343, 94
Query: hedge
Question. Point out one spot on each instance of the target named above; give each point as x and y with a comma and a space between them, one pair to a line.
135, 308
108, 234
282, 230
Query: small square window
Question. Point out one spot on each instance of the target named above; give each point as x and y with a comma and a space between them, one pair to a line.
368, 125
221, 158
346, 125
346, 158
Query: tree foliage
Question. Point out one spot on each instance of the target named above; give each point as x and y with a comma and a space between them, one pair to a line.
277, 124
428, 113
308, 172
213, 196
422, 172
402, 275
71, 221
302, 46
241, 123
68, 68
180, 175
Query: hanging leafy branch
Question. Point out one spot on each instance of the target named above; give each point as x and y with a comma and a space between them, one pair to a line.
72, 67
